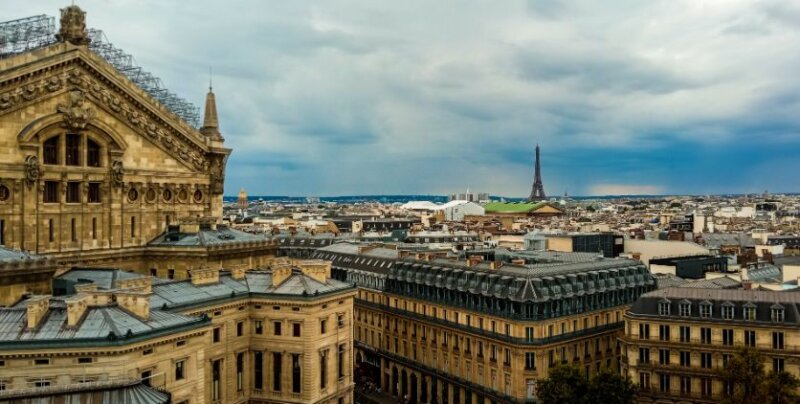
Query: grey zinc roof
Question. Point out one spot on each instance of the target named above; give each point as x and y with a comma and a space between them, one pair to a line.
97, 322
99, 392
9, 255
183, 292
205, 237
104, 278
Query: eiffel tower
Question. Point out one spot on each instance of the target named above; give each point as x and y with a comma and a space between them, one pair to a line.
537, 193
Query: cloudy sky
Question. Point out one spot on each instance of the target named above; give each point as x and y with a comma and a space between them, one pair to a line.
391, 97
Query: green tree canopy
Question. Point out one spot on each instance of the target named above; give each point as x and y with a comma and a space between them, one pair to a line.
747, 382
567, 384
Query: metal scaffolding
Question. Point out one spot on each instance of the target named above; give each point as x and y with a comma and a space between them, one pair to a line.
26, 34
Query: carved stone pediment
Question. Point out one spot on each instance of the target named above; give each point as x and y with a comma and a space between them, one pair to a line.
91, 88
76, 114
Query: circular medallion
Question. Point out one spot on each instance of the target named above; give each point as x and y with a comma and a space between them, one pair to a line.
133, 194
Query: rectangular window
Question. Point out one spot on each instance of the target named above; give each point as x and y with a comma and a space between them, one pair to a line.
529, 334
777, 365
777, 315
777, 340
240, 328
663, 356
92, 154
295, 329
705, 335
340, 320
296, 374
507, 358
686, 385
73, 150
705, 360
50, 151
51, 231
258, 327
530, 360
664, 383
133, 226
240, 371
277, 365
644, 356
644, 331
179, 368
341, 360
686, 359
663, 332
705, 310
94, 192
322, 324
258, 370
727, 337
750, 338
51, 192
727, 312
215, 335
73, 192
276, 328
94, 228
216, 380
73, 230
705, 387
644, 380
685, 333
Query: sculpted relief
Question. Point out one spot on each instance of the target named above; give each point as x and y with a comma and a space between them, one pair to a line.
76, 115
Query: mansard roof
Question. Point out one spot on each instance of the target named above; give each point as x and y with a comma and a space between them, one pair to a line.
762, 300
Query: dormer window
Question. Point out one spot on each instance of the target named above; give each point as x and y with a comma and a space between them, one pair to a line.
749, 312
685, 309
663, 308
777, 313
705, 309
727, 311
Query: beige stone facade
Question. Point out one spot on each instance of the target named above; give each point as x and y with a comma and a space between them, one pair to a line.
262, 344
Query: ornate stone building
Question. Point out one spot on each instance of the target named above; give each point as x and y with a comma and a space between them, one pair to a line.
277, 335
438, 330
103, 167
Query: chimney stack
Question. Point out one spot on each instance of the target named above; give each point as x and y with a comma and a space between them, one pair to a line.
36, 308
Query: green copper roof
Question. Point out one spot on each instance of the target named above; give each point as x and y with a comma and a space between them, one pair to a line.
512, 207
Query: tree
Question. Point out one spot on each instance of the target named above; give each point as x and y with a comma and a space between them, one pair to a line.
565, 384
781, 388
609, 387
743, 377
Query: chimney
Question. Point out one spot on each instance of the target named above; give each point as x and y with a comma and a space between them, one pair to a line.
747, 285
36, 308
142, 284
238, 271
474, 260
495, 265
76, 306
204, 276
135, 302
281, 274
319, 270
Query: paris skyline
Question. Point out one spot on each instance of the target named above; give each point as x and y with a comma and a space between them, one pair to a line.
343, 98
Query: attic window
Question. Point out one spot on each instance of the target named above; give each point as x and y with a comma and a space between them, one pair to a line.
663, 308
705, 310
727, 312
685, 309
777, 314
749, 312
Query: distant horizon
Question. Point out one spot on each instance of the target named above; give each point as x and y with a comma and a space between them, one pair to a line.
410, 196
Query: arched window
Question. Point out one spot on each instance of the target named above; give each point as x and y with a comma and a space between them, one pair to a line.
50, 151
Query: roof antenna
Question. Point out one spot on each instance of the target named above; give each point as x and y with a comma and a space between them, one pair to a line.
210, 76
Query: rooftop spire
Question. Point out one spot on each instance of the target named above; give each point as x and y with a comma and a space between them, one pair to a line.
210, 120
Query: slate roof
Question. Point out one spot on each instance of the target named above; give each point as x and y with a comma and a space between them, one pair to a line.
9, 255
764, 301
99, 392
104, 278
96, 324
178, 293
205, 237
